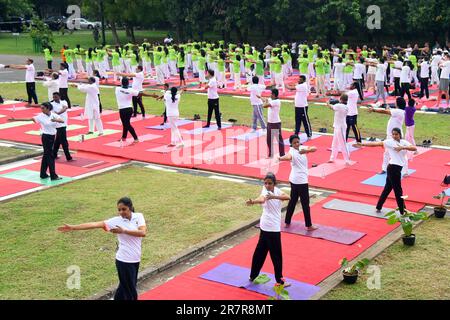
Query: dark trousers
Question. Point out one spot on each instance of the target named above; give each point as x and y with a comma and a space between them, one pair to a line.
128, 273
360, 87
268, 242
393, 181
165, 115
61, 139
352, 122
48, 161
64, 93
213, 105
49, 64
299, 191
301, 116
424, 88
405, 89
125, 117
397, 87
31, 92
181, 70
274, 130
100, 104
138, 101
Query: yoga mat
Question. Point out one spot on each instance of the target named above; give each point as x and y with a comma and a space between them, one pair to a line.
167, 149
81, 162
70, 127
237, 276
11, 186
350, 147
447, 192
133, 119
81, 117
146, 137
356, 207
13, 124
326, 169
106, 132
249, 135
33, 176
210, 155
17, 109
339, 235
379, 180
206, 130
166, 126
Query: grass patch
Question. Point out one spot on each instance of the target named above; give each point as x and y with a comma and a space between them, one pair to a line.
9, 152
416, 273
434, 127
181, 210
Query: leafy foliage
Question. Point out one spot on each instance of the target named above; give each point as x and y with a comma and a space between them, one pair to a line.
406, 220
359, 265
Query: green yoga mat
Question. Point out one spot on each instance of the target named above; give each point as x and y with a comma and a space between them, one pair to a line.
69, 128
93, 136
33, 176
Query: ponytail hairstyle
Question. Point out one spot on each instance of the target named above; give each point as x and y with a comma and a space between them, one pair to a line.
182, 54
118, 51
281, 58
174, 91
166, 51
261, 56
126, 202
271, 176
50, 49
202, 52
90, 53
97, 74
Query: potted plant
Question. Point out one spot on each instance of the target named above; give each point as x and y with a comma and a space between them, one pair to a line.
441, 210
351, 273
406, 221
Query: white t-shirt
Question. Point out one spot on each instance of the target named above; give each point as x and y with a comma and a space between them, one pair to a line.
340, 115
359, 71
372, 69
397, 72
47, 126
29, 73
256, 90
299, 167
301, 95
352, 103
129, 246
63, 77
445, 73
271, 216
52, 87
425, 69
273, 114
124, 97
381, 72
339, 69
405, 75
396, 157
395, 121
138, 80
212, 89
172, 107
435, 60
57, 107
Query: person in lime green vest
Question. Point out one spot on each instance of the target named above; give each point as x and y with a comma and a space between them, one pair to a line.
311, 70
89, 60
259, 69
327, 70
165, 62
147, 61
173, 60
348, 70
132, 55
48, 56
79, 58
202, 68
303, 65
115, 62
277, 62
70, 55
248, 66
195, 53
320, 75
181, 63
413, 60
157, 56
221, 69
287, 66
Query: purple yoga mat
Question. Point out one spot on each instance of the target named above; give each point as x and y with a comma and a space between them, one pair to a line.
334, 234
237, 276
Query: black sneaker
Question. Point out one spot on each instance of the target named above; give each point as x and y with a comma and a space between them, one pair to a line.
45, 177
56, 178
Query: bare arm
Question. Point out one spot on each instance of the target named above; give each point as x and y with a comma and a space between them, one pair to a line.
368, 144
83, 226
308, 150
286, 157
141, 232
20, 119
259, 200
17, 66
384, 111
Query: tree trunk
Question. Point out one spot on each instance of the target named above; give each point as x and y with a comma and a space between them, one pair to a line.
127, 30
239, 35
133, 38
114, 33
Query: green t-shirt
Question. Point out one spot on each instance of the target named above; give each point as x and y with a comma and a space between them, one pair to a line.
87, 59
195, 54
348, 68
133, 59
172, 54
48, 55
78, 53
320, 66
345, 46
157, 58
164, 57
115, 61
221, 65
365, 53
303, 63
201, 63
259, 68
247, 62
100, 55
310, 55
413, 60
276, 65
236, 66
286, 57
181, 61
68, 55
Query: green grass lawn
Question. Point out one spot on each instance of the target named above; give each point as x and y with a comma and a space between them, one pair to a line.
181, 210
434, 127
416, 273
9, 153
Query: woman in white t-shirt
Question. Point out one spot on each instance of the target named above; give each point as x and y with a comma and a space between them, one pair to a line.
130, 228
172, 101
397, 149
298, 179
256, 90
52, 85
271, 199
274, 122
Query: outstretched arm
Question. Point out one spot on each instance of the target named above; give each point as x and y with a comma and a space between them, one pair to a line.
83, 226
368, 144
384, 111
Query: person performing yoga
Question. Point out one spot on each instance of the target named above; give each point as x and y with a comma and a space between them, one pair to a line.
298, 179
397, 149
271, 199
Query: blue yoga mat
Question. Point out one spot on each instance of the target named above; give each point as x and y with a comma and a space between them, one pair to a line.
166, 126
379, 180
237, 276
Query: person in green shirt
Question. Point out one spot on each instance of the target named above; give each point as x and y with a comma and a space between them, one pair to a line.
248, 66
165, 62
173, 60
89, 60
277, 61
259, 70
115, 61
78, 51
202, 68
181, 63
220, 61
133, 61
303, 65
157, 57
286, 67
195, 54
48, 56
319, 66
413, 60
348, 70
69, 55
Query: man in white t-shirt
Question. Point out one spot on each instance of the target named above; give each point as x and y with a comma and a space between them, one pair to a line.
340, 127
213, 100
371, 72
301, 106
435, 60
274, 123
60, 108
339, 79
256, 90
359, 73
138, 80
424, 77
395, 121
352, 114
405, 79
380, 80
444, 81
29, 79
63, 84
